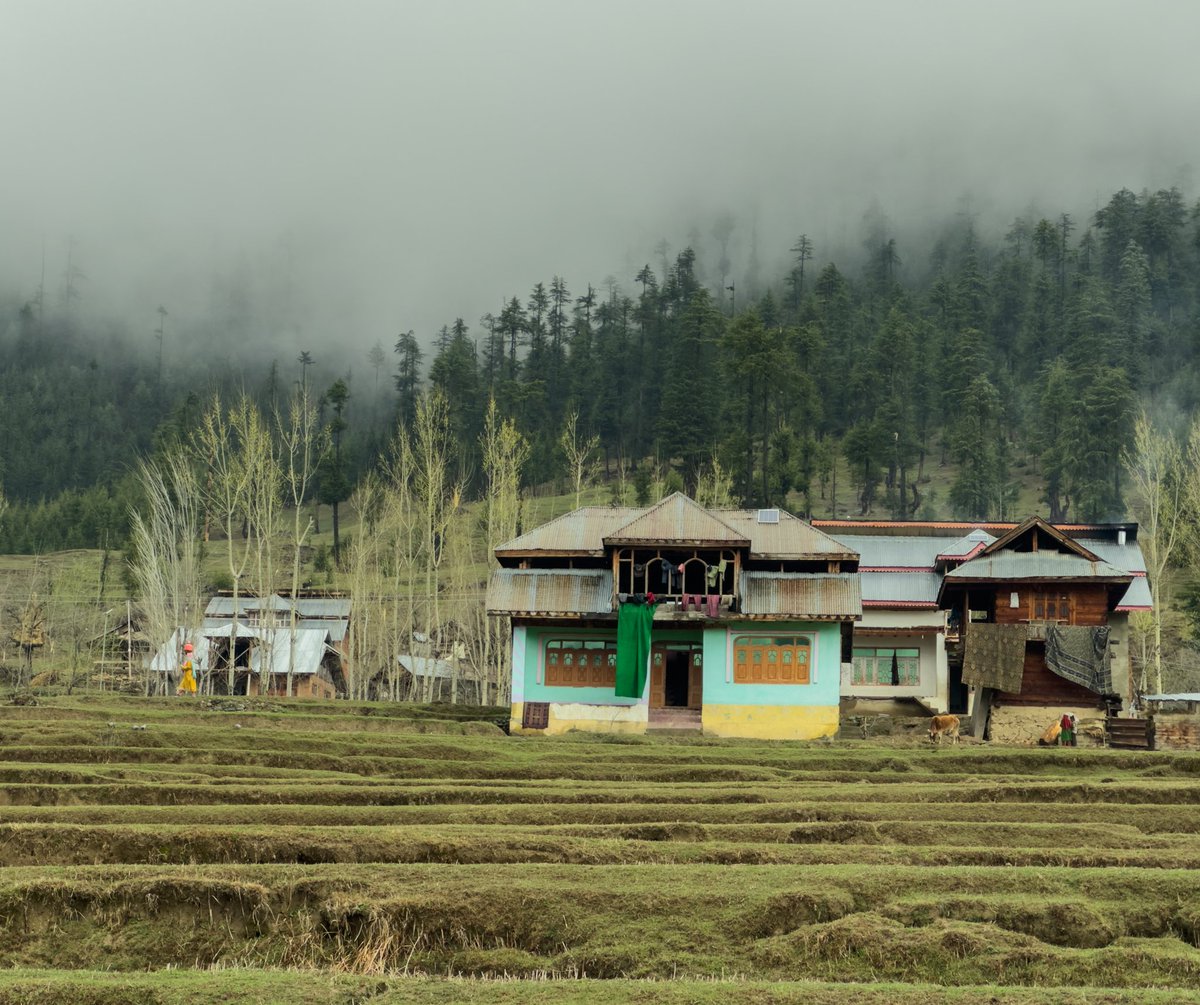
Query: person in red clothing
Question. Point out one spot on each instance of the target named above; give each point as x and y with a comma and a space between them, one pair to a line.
1066, 736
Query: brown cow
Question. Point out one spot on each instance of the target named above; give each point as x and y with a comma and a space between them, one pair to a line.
943, 724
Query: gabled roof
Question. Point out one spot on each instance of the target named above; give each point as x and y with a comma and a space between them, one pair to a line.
966, 547
677, 520
1036, 525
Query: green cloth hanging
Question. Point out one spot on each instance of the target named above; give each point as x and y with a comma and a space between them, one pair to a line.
633, 648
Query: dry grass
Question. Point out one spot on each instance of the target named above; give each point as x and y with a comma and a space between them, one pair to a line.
351, 844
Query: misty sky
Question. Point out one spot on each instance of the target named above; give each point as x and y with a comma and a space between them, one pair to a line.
379, 166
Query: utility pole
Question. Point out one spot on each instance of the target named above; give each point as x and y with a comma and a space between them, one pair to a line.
732, 288
160, 334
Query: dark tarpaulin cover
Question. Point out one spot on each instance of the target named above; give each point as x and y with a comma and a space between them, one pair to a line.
994, 656
1080, 654
633, 648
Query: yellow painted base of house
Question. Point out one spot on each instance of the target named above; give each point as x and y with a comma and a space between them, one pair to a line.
770, 722
568, 716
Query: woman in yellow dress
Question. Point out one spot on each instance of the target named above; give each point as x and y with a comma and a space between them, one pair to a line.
187, 684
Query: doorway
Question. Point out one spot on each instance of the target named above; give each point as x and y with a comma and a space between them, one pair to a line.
675, 680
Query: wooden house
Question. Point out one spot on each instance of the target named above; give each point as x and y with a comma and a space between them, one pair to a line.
745, 620
1037, 613
913, 575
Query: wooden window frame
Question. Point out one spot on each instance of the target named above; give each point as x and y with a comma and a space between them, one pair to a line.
598, 667
872, 671
1043, 602
758, 658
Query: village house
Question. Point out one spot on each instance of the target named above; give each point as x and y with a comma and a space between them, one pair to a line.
926, 585
626, 619
259, 642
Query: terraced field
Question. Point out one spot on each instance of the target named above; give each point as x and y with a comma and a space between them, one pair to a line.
202, 852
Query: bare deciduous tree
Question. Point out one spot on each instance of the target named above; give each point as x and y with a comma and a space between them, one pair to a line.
579, 454
505, 452
302, 443
1156, 467
165, 552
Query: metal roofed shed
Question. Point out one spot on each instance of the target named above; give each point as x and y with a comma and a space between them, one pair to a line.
550, 592
311, 646
799, 595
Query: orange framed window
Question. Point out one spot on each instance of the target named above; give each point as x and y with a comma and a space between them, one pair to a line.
581, 663
772, 659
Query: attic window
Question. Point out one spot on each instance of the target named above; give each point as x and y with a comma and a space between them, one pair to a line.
768, 516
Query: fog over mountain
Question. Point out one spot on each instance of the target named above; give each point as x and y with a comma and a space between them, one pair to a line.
368, 167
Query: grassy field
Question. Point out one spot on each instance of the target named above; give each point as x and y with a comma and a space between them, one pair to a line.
231, 850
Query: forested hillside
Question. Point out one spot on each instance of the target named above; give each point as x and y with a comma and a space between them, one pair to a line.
1036, 346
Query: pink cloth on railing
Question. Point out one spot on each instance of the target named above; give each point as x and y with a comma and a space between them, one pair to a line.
714, 604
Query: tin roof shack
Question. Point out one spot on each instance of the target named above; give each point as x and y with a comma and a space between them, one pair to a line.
752, 618
1035, 607
265, 646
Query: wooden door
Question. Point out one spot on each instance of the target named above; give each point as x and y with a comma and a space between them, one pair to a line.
696, 680
658, 678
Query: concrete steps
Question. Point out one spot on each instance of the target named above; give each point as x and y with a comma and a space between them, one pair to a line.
674, 719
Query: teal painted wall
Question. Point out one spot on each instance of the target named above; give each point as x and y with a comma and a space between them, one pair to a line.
827, 664
535, 637
825, 689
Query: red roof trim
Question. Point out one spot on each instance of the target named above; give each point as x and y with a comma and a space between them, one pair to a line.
960, 524
969, 555
896, 568
1124, 607
900, 603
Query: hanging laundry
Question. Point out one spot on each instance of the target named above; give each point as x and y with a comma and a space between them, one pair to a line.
686, 603
714, 602
712, 575
634, 623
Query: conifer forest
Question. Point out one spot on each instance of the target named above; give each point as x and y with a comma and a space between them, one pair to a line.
830, 382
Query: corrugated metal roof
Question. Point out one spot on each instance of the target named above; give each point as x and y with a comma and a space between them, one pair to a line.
801, 595
791, 537
966, 545
1137, 597
900, 588
1124, 556
324, 607
558, 591
425, 666
677, 518
311, 607
167, 659
336, 628
579, 532
1033, 565
887, 552
584, 531
310, 650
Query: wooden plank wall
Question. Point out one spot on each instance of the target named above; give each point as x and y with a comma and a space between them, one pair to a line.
1089, 603
1041, 687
